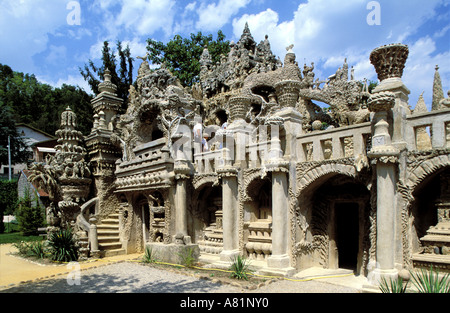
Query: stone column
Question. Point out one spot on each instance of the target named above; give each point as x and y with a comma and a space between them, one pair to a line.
280, 222
230, 213
385, 157
279, 262
181, 175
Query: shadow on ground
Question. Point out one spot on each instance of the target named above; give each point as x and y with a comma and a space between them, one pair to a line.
110, 282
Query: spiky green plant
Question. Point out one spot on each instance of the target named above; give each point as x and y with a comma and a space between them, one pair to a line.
187, 257
37, 249
393, 285
149, 256
240, 267
429, 282
63, 246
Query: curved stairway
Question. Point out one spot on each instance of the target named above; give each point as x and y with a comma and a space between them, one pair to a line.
108, 236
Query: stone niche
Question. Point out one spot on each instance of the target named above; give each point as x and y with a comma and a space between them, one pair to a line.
258, 228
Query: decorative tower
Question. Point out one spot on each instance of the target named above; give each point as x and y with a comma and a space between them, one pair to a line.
103, 153
100, 143
70, 165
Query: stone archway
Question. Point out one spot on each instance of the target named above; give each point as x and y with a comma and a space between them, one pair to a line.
207, 217
420, 191
314, 173
429, 214
332, 222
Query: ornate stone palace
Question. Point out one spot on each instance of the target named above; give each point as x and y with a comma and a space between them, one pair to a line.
245, 163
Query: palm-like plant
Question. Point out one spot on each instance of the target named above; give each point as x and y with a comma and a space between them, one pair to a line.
45, 177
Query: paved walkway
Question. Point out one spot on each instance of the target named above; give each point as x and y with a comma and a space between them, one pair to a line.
15, 270
114, 274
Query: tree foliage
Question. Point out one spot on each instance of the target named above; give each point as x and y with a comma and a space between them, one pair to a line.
121, 70
23, 99
182, 55
8, 200
29, 214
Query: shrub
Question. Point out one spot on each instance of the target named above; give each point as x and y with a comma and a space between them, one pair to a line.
63, 247
29, 216
31, 249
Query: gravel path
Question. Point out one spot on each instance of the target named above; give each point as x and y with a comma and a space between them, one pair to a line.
128, 277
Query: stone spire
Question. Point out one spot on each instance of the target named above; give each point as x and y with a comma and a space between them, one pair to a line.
420, 105
106, 103
438, 93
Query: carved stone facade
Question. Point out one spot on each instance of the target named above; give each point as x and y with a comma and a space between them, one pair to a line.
280, 180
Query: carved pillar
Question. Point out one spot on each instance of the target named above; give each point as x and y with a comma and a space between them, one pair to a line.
389, 62
230, 213
279, 261
182, 172
385, 156
280, 223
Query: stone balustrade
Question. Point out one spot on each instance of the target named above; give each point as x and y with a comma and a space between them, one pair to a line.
438, 129
335, 143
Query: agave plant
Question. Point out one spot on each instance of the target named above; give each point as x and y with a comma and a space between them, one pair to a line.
240, 267
430, 282
62, 246
393, 285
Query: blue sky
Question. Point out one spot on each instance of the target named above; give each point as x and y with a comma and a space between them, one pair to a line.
44, 37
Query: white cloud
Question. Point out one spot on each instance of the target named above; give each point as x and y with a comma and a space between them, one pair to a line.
214, 16
420, 67
57, 53
144, 17
25, 27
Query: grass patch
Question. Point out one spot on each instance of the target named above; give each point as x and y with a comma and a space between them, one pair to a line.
16, 237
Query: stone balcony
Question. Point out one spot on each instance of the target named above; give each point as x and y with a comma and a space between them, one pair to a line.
152, 167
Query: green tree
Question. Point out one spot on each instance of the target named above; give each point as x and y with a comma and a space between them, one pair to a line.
121, 74
40, 105
182, 55
8, 200
19, 150
29, 214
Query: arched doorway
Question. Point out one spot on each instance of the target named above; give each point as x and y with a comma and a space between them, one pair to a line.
208, 225
430, 212
258, 220
335, 213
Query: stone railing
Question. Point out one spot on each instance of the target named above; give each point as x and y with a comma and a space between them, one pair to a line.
89, 227
429, 130
336, 143
209, 161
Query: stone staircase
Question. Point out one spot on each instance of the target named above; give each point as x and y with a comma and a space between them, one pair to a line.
108, 236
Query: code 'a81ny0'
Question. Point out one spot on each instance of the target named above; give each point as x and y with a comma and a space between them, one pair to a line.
246, 303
